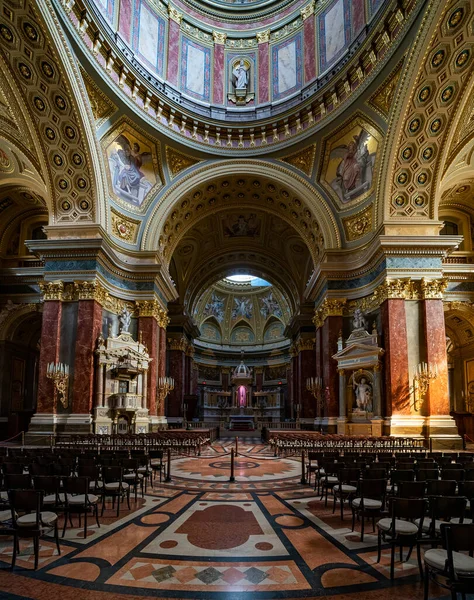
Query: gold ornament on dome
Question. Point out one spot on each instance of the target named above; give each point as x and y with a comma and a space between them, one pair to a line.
178, 162
219, 37
125, 228
303, 160
263, 36
358, 225
174, 14
308, 10
383, 97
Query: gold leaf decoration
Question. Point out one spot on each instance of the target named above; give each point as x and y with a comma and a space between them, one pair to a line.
124, 228
178, 162
358, 225
102, 107
383, 97
303, 160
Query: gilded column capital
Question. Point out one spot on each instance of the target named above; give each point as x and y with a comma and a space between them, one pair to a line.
307, 10
305, 344
331, 307
163, 319
219, 37
433, 289
263, 36
51, 290
150, 308
258, 370
392, 289
190, 350
180, 344
174, 14
91, 290
341, 372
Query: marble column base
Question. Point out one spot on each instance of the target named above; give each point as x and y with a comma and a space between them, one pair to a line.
43, 425
412, 426
443, 433
157, 423
342, 425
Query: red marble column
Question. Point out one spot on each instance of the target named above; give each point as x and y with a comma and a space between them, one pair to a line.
289, 395
177, 369
397, 380
309, 44
225, 381
149, 330
161, 362
49, 352
219, 72
173, 52
306, 368
329, 336
435, 341
89, 325
295, 388
259, 380
263, 72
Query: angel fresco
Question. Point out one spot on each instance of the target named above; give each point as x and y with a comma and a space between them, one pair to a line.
126, 162
354, 171
242, 308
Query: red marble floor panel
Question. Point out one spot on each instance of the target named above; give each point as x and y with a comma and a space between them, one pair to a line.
176, 505
229, 496
83, 571
116, 546
343, 577
274, 506
315, 549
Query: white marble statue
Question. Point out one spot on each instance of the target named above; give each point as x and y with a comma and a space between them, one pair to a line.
358, 321
363, 394
125, 318
241, 75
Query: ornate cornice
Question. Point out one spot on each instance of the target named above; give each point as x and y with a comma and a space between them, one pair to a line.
174, 14
390, 289
308, 10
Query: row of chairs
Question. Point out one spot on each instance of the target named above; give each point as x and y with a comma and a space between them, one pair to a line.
290, 442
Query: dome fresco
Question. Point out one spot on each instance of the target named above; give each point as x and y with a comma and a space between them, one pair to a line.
239, 314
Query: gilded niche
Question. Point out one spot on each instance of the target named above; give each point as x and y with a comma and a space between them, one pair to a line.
178, 162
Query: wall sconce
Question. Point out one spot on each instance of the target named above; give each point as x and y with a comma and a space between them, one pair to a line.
424, 374
59, 373
165, 385
315, 386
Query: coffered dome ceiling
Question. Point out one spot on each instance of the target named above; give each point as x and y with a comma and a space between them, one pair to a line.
242, 314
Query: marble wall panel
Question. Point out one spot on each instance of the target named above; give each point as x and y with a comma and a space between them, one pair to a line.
358, 16
334, 32
287, 67
435, 341
125, 20
106, 8
173, 52
310, 49
263, 73
148, 37
195, 69
218, 74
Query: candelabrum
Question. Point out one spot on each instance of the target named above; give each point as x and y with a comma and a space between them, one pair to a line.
315, 386
424, 374
164, 387
59, 373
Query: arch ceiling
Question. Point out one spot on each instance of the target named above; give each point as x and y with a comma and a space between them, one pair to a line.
249, 185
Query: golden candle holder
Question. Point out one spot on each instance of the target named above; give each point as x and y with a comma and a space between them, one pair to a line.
315, 386
424, 375
164, 387
59, 373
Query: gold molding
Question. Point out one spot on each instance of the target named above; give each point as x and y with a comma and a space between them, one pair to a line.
125, 228
90, 290
174, 14
383, 97
308, 10
152, 308
101, 105
305, 344
219, 37
263, 36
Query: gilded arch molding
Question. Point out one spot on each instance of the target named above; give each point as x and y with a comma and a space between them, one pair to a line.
307, 199
433, 83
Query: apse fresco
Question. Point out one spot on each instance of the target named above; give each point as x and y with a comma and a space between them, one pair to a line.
242, 335
133, 166
210, 332
349, 163
274, 332
242, 225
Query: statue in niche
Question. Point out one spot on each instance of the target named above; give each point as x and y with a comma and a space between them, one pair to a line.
125, 318
240, 73
363, 395
240, 89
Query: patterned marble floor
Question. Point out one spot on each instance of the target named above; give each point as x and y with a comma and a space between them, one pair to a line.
265, 536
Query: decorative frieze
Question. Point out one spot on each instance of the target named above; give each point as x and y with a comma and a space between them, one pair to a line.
219, 37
